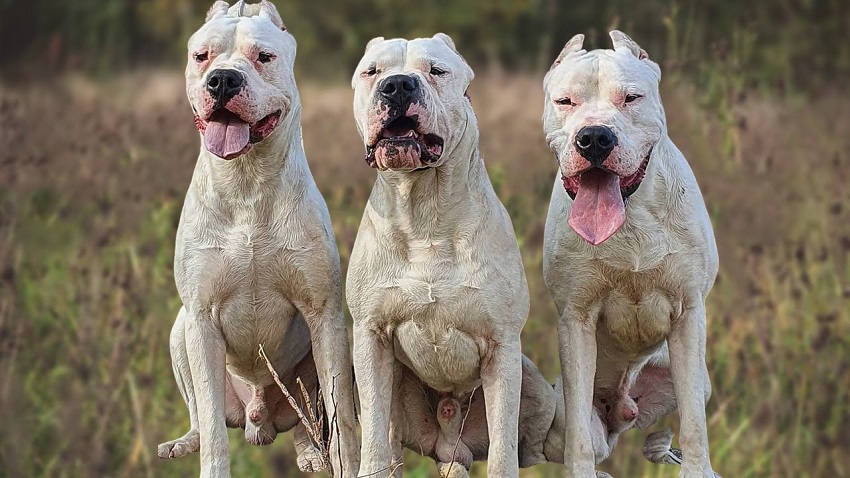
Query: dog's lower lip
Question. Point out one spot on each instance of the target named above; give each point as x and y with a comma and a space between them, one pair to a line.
261, 129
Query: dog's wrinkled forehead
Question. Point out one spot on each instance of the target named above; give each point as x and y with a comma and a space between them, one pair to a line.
596, 72
241, 29
419, 56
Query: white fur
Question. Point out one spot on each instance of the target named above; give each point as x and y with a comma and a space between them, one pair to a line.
620, 302
256, 258
435, 280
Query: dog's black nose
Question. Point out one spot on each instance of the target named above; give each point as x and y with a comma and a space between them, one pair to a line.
595, 143
224, 85
398, 89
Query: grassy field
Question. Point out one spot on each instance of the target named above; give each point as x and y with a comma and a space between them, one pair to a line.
92, 176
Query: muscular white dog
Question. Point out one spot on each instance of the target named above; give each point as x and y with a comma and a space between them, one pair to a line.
256, 262
629, 253
435, 280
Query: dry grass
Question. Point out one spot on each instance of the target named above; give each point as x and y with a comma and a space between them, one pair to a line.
91, 181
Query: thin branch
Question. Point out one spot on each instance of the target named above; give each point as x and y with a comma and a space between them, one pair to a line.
316, 422
294, 404
306, 398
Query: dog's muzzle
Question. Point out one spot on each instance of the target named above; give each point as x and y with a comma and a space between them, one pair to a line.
402, 143
599, 195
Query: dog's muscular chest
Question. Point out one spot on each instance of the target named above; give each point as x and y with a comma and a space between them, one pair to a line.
434, 307
237, 271
637, 309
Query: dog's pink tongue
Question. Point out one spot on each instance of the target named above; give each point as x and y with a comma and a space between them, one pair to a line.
226, 135
598, 209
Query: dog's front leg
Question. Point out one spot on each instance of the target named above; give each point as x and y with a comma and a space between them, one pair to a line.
687, 364
373, 367
577, 337
501, 379
188, 443
332, 355
207, 362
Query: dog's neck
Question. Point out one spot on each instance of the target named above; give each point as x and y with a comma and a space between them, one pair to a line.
436, 201
662, 176
274, 165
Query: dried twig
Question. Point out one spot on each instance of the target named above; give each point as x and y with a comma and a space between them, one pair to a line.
459, 433
316, 422
306, 397
311, 430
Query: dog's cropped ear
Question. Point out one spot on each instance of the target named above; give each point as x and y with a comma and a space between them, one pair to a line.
447, 40
373, 42
451, 44
217, 9
623, 42
573, 46
268, 10
239, 9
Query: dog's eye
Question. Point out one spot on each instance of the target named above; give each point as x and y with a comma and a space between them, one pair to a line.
565, 102
264, 57
201, 57
371, 71
630, 98
437, 71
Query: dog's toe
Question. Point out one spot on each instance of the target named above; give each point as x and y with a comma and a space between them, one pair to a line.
452, 470
310, 460
657, 448
188, 443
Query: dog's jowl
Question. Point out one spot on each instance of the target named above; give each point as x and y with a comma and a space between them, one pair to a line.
435, 284
629, 258
256, 263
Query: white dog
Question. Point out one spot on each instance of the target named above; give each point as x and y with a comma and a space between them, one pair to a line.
629, 251
256, 262
435, 280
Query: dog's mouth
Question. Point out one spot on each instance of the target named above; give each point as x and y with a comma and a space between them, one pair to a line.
628, 184
228, 136
599, 200
402, 145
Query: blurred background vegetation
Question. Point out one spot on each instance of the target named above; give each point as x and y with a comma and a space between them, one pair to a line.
774, 43
97, 148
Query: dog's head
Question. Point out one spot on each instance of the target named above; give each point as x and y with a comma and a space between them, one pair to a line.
239, 76
410, 101
602, 117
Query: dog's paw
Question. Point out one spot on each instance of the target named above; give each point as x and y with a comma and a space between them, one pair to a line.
310, 460
602, 474
188, 443
657, 448
452, 470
